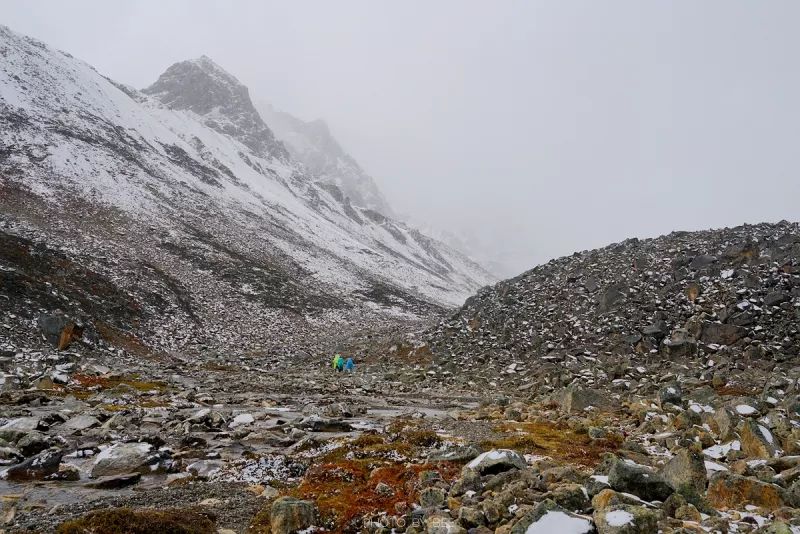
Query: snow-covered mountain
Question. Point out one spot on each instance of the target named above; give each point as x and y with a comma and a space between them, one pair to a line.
185, 179
312, 144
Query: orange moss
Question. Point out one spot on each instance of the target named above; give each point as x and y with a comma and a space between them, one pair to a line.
101, 382
550, 439
407, 353
345, 491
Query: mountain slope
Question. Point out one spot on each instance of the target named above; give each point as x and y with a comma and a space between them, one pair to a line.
716, 294
312, 144
183, 190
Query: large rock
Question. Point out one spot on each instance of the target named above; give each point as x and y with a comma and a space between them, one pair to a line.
576, 399
721, 333
757, 440
80, 423
289, 515
122, 458
776, 298
726, 420
37, 467
729, 491
686, 473
639, 480
59, 330
496, 461
14, 430
702, 261
626, 519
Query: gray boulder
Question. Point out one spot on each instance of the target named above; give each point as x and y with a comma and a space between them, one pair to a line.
122, 458
289, 515
496, 461
639, 480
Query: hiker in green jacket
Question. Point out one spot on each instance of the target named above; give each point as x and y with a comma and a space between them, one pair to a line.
337, 358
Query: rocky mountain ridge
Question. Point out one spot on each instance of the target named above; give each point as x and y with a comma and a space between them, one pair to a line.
183, 200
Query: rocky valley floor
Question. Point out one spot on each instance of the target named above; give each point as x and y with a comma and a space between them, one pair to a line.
402, 443
651, 386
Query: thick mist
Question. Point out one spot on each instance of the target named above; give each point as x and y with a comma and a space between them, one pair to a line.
531, 129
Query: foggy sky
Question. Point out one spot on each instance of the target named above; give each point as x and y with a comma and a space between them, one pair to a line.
540, 127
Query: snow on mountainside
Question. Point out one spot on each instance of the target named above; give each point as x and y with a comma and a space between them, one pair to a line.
312, 144
183, 186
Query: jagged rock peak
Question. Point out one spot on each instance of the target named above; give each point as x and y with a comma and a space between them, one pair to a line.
202, 86
313, 144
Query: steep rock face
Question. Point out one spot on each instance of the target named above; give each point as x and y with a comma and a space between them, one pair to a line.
183, 200
732, 292
312, 144
202, 86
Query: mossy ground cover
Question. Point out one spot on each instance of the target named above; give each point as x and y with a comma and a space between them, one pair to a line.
140, 521
551, 439
373, 474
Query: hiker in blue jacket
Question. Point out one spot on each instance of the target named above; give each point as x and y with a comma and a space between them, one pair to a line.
349, 365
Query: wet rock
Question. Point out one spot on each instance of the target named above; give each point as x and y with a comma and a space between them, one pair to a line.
66, 472
34, 443
638, 480
729, 491
288, 515
36, 468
